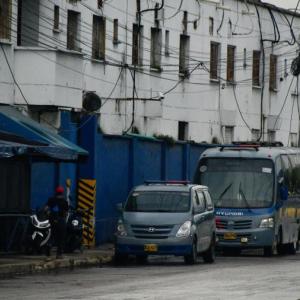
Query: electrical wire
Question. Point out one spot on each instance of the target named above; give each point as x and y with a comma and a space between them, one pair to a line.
284, 102
239, 109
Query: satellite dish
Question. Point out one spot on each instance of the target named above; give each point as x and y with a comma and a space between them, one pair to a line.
91, 101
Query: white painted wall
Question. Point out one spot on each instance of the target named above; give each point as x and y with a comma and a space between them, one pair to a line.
51, 75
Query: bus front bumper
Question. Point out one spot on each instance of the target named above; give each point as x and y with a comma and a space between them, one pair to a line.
252, 238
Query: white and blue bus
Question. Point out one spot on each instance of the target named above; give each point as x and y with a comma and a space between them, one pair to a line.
256, 193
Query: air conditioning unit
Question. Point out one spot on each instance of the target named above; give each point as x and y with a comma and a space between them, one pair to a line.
248, 12
220, 6
214, 1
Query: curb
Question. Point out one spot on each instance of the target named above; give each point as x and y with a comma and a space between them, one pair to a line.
11, 270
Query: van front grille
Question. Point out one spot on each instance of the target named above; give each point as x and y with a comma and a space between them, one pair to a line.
151, 231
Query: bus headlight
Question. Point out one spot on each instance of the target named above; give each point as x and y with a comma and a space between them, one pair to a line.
121, 231
267, 223
184, 230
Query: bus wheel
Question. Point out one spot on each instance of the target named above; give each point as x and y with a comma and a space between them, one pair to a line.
281, 248
269, 251
291, 248
231, 251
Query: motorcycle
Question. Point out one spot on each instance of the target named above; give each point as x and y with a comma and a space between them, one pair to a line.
38, 234
74, 232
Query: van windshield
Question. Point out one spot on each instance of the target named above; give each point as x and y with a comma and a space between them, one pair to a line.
149, 201
238, 182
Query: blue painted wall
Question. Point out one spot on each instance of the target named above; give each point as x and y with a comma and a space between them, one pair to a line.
120, 162
45, 176
117, 163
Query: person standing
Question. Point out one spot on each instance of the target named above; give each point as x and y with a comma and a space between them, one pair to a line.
58, 207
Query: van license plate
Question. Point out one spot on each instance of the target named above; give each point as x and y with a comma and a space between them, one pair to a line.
229, 236
150, 248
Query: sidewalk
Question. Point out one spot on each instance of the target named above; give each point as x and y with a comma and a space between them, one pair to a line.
12, 265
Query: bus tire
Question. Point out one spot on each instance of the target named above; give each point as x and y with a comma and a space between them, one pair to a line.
268, 251
291, 248
120, 259
281, 248
142, 259
231, 251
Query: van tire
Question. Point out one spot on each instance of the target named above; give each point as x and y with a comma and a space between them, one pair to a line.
191, 259
209, 255
120, 259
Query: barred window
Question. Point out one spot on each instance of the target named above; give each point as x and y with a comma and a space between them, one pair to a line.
273, 73
256, 68
184, 49
230, 63
5, 17
72, 30
98, 47
214, 60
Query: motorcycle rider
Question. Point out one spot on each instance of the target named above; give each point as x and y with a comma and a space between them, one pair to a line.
58, 208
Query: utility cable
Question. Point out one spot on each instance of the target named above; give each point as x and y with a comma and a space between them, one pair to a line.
284, 102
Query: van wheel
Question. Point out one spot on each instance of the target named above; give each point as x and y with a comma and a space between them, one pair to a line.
209, 255
191, 259
120, 259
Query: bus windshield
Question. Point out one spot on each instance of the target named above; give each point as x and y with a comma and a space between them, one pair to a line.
149, 201
238, 182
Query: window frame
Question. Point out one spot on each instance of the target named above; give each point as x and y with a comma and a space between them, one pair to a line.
231, 50
256, 61
214, 61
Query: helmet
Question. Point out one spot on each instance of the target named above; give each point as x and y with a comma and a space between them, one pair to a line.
59, 190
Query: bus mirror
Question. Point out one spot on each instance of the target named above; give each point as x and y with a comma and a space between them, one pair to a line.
284, 193
280, 180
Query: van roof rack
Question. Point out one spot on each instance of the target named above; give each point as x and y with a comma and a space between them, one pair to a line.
258, 144
183, 182
239, 147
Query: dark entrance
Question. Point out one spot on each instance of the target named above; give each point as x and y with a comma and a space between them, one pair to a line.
14, 201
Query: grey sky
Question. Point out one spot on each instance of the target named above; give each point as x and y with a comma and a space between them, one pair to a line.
284, 3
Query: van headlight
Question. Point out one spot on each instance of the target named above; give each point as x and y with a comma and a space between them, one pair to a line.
75, 223
184, 230
267, 223
121, 231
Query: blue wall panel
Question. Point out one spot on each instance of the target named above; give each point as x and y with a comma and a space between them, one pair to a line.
147, 161
43, 182
175, 162
118, 163
113, 177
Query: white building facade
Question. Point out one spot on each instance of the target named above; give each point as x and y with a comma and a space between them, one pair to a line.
213, 71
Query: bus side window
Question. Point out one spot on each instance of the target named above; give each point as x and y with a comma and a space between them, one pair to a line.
286, 166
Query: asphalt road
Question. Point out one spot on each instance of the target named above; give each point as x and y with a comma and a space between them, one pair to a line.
243, 277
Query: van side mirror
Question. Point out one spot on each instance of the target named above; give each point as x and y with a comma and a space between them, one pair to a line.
119, 207
197, 210
284, 193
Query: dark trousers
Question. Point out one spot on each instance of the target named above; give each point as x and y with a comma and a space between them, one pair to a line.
59, 234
